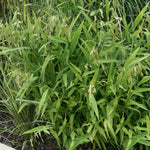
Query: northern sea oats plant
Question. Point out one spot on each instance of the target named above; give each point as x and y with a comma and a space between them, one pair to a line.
79, 74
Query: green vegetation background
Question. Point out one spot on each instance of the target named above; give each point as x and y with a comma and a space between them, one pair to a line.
79, 70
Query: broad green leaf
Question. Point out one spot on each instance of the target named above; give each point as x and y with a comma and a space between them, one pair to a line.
108, 8
38, 129
58, 39
46, 61
87, 34
30, 26
88, 72
43, 46
138, 93
131, 58
93, 104
8, 50
136, 33
134, 140
93, 13
74, 20
72, 135
137, 61
112, 70
147, 44
140, 128
83, 9
114, 45
93, 81
126, 29
133, 109
75, 39
43, 110
100, 130
91, 2
139, 17
26, 86
125, 130
90, 42
106, 128
89, 128
65, 79
22, 106
65, 140
76, 71
71, 91
89, 21
24, 145
106, 61
42, 101
72, 103
138, 104
61, 128
119, 126
147, 35
86, 54
144, 142
144, 80
81, 140
148, 124
55, 136
58, 104
138, 44
76, 68
111, 130
88, 45
140, 90
71, 121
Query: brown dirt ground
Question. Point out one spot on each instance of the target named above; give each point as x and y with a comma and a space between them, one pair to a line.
10, 138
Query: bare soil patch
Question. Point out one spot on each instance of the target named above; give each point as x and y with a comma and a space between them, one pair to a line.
9, 137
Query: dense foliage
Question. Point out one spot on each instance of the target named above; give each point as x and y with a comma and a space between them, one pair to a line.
79, 70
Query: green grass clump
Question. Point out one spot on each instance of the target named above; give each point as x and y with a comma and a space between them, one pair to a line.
83, 78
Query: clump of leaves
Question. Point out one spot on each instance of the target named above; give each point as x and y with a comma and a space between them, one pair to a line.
82, 82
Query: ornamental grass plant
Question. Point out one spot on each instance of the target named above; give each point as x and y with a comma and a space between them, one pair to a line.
79, 71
